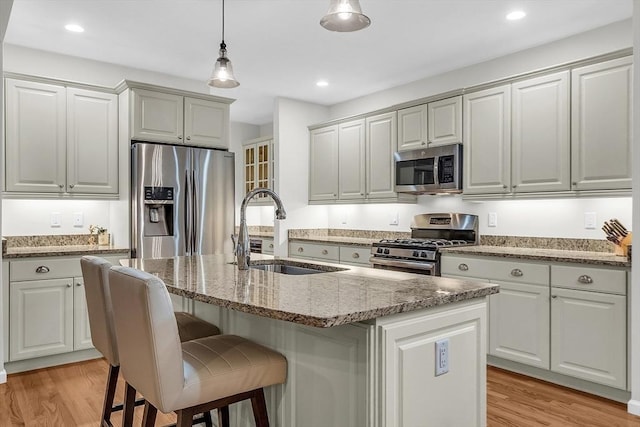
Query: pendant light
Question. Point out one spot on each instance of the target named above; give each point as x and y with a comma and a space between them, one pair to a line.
222, 75
344, 16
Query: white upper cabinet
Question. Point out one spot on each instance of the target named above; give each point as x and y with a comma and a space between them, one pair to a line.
487, 130
173, 118
351, 152
601, 123
445, 121
540, 134
35, 137
323, 168
60, 139
412, 128
92, 142
381, 143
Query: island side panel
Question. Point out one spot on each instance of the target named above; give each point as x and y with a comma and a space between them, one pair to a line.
410, 392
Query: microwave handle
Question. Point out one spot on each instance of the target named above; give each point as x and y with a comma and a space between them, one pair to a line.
436, 162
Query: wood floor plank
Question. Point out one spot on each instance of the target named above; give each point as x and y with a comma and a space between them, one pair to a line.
71, 395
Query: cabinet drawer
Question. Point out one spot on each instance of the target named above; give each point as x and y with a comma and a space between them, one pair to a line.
355, 255
508, 271
589, 279
267, 246
42, 269
313, 250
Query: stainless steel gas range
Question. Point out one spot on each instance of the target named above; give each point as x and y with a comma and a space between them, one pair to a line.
429, 233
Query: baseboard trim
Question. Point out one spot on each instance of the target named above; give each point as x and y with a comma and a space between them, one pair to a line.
3, 376
633, 407
48, 361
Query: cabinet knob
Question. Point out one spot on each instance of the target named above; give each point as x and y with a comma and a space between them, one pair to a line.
271, 245
515, 185
355, 255
516, 272
463, 267
574, 183
188, 138
362, 194
504, 186
78, 284
42, 269
335, 195
71, 185
68, 285
300, 249
423, 143
554, 296
179, 136
61, 185
585, 279
324, 252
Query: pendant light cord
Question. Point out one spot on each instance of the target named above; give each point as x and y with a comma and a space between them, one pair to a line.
223, 25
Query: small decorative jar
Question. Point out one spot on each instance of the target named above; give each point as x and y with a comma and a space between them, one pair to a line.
103, 239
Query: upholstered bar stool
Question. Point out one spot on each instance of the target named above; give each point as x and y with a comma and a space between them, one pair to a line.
189, 377
95, 273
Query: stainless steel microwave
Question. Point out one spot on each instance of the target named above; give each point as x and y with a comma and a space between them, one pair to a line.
429, 170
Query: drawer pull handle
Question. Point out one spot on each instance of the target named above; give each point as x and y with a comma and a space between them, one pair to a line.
300, 249
324, 252
42, 269
516, 272
355, 255
271, 245
463, 267
587, 280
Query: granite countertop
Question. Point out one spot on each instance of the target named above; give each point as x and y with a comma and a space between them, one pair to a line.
341, 240
263, 234
321, 300
537, 254
41, 251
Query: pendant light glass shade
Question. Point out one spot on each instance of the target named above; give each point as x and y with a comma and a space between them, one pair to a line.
222, 75
345, 16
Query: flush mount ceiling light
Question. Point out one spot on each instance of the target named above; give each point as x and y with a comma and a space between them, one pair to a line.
222, 75
515, 15
344, 16
322, 83
74, 28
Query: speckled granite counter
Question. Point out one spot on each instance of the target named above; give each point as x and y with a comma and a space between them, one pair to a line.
320, 300
537, 254
41, 251
344, 237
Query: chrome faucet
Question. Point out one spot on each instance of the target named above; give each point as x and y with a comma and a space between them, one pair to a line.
242, 244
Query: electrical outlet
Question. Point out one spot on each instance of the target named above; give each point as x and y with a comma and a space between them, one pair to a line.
442, 357
78, 219
55, 219
493, 219
590, 220
393, 219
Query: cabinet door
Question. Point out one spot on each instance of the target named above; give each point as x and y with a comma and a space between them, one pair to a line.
351, 160
81, 328
519, 323
92, 142
487, 130
35, 137
382, 139
263, 166
540, 138
157, 116
41, 318
249, 168
589, 336
323, 168
412, 128
602, 98
205, 122
445, 121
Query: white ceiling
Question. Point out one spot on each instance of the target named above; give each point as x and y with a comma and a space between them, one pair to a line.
278, 48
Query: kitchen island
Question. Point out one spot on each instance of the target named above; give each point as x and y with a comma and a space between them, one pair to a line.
360, 342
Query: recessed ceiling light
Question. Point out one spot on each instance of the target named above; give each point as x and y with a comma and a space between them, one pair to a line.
322, 83
515, 15
74, 28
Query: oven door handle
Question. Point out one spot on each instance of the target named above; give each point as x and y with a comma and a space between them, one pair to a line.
436, 177
426, 266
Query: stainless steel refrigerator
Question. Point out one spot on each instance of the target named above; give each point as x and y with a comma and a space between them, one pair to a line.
182, 200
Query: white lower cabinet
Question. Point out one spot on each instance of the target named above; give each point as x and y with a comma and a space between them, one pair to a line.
519, 323
571, 320
327, 252
81, 328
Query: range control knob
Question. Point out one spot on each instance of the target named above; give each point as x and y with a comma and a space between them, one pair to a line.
386, 251
423, 254
416, 254
379, 250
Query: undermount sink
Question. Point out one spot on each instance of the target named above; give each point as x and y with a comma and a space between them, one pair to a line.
294, 268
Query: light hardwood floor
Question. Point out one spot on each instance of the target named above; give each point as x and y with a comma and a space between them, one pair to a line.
71, 395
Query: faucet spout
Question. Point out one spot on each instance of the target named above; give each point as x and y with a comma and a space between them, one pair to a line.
242, 251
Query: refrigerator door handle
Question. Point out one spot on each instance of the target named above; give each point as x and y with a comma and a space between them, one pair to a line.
187, 223
194, 214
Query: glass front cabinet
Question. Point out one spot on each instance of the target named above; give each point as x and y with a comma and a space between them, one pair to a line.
258, 165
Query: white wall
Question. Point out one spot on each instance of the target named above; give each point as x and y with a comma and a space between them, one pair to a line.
239, 133
291, 140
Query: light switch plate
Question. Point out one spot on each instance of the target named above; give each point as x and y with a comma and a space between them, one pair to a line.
590, 220
493, 219
393, 219
78, 219
55, 219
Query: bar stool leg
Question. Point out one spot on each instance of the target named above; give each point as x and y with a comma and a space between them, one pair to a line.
223, 416
149, 416
110, 391
129, 405
208, 422
259, 408
185, 417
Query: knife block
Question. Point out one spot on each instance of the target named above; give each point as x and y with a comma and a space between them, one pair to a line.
623, 248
